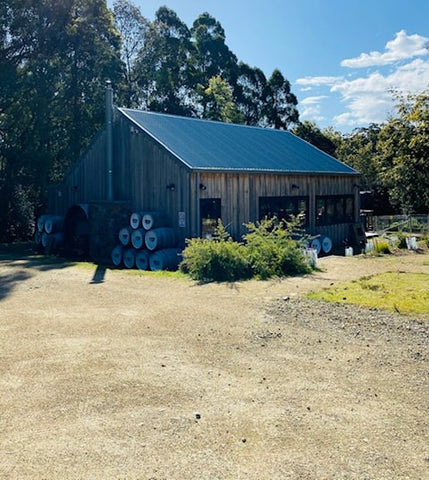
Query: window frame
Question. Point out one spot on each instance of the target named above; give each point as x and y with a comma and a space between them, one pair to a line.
334, 209
283, 202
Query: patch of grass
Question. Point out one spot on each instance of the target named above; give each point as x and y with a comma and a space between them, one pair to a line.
148, 273
401, 292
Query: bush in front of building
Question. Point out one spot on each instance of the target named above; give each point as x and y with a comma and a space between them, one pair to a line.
218, 259
271, 249
275, 248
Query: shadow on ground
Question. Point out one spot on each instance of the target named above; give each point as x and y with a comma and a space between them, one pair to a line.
25, 259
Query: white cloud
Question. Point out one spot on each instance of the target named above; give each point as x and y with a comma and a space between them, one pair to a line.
312, 113
313, 100
312, 109
318, 81
402, 47
369, 100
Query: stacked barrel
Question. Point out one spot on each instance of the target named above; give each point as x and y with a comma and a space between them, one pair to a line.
147, 243
49, 235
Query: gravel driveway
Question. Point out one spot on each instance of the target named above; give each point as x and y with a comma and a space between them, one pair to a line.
117, 375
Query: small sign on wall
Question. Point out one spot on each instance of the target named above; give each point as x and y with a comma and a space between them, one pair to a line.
182, 219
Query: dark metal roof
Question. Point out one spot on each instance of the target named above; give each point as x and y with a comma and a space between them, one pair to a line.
205, 145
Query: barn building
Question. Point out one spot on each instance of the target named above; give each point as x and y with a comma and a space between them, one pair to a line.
196, 171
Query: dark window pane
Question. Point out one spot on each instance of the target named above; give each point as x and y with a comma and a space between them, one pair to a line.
284, 208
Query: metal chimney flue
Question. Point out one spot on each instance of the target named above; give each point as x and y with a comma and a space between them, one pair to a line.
109, 140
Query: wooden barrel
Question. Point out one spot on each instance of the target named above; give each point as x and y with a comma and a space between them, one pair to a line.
38, 238
159, 238
326, 243
166, 259
52, 241
152, 220
54, 224
142, 260
316, 245
125, 235
41, 223
129, 257
137, 238
117, 254
136, 220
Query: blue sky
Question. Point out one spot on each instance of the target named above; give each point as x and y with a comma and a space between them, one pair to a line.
341, 56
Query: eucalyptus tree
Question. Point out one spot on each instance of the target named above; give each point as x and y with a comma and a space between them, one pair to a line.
210, 57
281, 108
133, 28
163, 66
58, 56
251, 92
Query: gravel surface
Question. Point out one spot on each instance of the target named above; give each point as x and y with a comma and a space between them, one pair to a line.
115, 375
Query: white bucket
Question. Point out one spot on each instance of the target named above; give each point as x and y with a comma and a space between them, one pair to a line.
349, 252
411, 243
311, 254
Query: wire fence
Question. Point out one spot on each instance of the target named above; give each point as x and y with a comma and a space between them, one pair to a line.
401, 223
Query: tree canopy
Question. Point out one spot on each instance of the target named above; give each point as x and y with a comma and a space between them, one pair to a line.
55, 56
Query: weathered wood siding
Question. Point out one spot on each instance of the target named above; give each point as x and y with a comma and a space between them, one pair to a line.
143, 169
240, 193
86, 180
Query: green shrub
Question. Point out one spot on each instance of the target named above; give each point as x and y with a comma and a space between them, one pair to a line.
271, 249
218, 259
381, 247
275, 249
402, 242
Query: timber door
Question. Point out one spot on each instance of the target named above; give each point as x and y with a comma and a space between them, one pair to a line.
210, 212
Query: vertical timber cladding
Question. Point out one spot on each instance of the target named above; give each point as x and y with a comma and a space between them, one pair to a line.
158, 181
86, 181
239, 194
234, 191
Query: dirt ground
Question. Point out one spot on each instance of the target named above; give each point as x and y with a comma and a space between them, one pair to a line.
116, 375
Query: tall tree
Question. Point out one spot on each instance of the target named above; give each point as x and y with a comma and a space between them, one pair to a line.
163, 66
280, 111
133, 28
403, 146
58, 54
251, 93
211, 57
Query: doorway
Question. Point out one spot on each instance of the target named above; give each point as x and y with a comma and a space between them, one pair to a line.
210, 212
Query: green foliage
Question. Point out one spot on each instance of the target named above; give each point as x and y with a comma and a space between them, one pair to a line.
402, 240
311, 133
220, 103
219, 259
381, 247
272, 249
54, 60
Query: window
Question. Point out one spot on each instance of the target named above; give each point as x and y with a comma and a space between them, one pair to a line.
284, 207
210, 212
334, 209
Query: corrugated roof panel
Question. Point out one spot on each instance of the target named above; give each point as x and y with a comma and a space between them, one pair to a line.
216, 146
